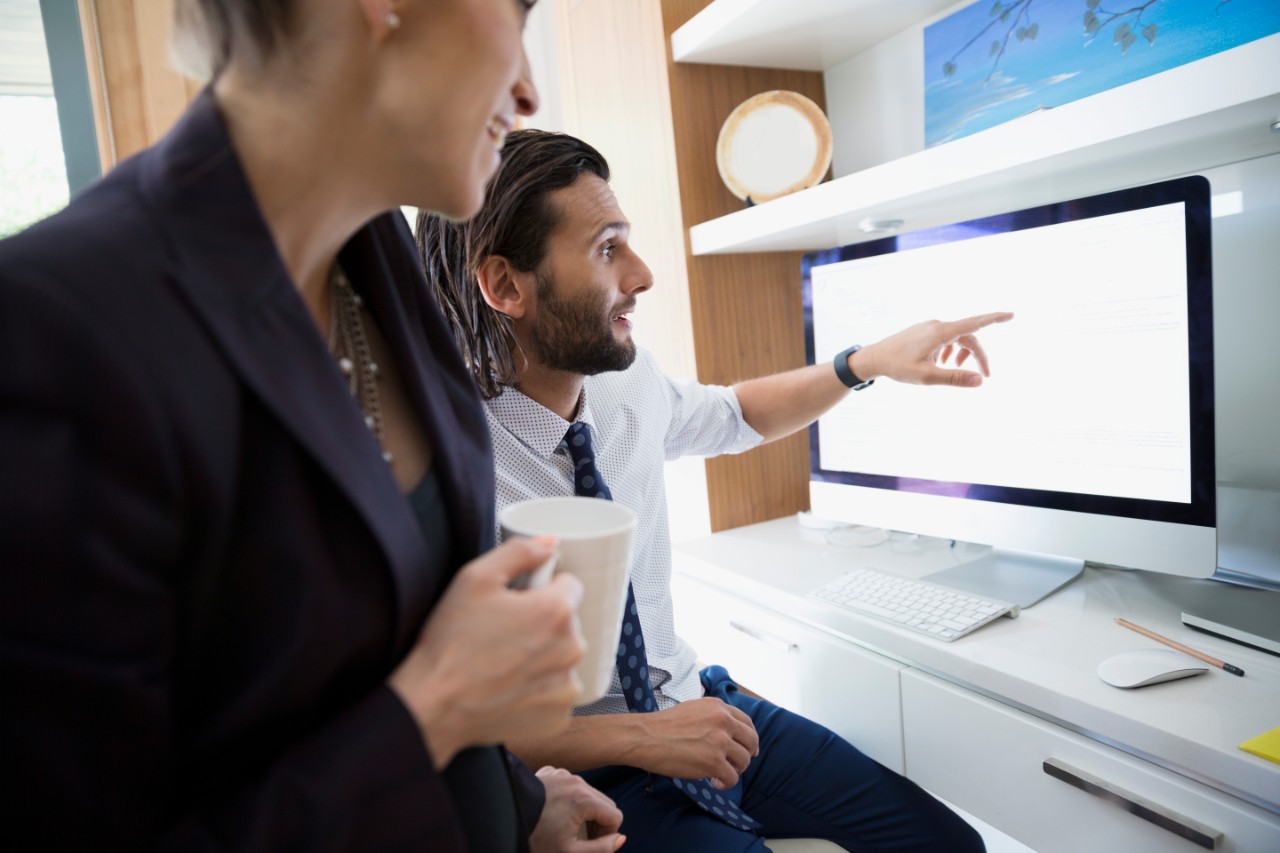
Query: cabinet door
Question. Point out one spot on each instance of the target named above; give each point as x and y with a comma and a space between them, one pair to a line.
850, 691
1055, 790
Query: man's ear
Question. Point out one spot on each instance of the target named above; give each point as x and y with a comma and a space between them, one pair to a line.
505, 288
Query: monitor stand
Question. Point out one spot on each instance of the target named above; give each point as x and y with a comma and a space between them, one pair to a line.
1020, 577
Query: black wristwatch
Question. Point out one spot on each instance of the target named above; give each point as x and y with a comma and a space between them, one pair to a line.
846, 375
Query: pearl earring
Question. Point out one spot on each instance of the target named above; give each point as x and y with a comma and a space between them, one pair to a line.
393, 21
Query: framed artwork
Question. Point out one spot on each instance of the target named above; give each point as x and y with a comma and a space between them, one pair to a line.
996, 60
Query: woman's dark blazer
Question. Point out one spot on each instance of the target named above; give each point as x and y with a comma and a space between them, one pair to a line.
208, 573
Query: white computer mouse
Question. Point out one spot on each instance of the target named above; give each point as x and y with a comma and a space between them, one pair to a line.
1148, 666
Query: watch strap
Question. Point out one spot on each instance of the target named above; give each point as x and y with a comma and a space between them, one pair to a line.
847, 376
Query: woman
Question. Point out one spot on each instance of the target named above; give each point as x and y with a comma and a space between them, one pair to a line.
243, 467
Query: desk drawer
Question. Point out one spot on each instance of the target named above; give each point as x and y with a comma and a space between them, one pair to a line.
850, 691
1054, 790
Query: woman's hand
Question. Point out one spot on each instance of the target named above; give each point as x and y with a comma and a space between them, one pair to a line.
917, 354
493, 663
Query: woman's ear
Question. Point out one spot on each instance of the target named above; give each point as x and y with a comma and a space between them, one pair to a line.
506, 289
381, 16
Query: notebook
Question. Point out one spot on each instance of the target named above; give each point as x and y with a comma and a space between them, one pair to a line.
1266, 745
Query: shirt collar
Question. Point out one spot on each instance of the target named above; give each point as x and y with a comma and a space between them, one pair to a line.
533, 424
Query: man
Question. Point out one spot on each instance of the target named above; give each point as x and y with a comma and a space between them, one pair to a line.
539, 286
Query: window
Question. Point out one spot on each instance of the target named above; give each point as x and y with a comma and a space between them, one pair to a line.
40, 46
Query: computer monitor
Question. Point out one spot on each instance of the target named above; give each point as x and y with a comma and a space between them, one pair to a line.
1093, 438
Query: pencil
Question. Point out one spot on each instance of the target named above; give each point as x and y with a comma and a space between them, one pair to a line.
1186, 650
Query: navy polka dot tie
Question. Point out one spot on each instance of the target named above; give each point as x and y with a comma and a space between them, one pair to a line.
633, 663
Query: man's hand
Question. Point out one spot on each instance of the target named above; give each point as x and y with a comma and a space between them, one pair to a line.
916, 355
701, 738
576, 818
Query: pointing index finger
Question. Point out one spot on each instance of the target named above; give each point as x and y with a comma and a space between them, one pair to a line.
969, 325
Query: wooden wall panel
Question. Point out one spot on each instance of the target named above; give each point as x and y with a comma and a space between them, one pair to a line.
137, 95
93, 65
746, 308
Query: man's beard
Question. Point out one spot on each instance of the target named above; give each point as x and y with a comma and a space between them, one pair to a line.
576, 336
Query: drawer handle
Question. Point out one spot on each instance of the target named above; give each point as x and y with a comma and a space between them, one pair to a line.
771, 640
1184, 827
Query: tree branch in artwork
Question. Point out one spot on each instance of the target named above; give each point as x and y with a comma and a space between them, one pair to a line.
1097, 19
1012, 19
1000, 14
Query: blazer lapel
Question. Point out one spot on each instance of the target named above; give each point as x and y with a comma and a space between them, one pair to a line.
230, 272
437, 382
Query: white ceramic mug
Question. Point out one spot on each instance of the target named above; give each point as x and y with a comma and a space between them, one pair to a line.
595, 546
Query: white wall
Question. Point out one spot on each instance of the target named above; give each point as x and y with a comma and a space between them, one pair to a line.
875, 104
1246, 306
540, 47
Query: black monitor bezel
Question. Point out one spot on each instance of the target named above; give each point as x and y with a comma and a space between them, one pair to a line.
1193, 192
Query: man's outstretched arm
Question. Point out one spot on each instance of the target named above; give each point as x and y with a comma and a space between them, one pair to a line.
778, 405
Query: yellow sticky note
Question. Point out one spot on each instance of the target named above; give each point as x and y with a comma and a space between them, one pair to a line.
1266, 745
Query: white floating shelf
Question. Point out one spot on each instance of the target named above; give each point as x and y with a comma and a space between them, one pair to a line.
1211, 112
808, 35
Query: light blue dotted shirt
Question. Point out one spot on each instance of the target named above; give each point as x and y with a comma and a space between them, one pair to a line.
639, 419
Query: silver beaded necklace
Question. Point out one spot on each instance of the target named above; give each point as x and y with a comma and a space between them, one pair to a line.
350, 347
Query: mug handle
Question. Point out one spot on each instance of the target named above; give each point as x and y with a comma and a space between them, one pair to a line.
539, 577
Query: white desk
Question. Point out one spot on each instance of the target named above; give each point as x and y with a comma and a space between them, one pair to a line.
1030, 683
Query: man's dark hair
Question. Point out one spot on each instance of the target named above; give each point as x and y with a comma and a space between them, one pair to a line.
514, 222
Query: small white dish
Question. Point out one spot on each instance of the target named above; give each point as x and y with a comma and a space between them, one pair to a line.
772, 144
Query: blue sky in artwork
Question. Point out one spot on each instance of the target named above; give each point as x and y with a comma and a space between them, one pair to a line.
1063, 64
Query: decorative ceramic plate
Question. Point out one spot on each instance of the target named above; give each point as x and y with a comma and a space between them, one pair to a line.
773, 144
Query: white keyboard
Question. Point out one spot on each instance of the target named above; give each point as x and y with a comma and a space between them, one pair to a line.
936, 611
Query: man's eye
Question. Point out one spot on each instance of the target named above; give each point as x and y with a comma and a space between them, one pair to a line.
608, 250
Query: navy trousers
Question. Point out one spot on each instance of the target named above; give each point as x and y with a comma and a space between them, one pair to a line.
807, 782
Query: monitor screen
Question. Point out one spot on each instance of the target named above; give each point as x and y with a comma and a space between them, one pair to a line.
1093, 437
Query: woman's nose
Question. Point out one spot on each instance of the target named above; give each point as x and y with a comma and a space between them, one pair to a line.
526, 94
